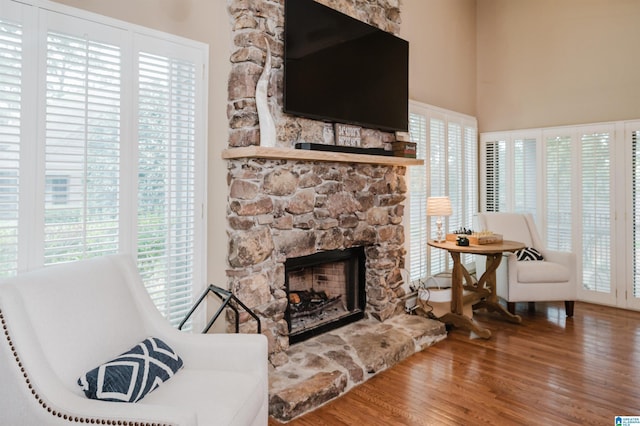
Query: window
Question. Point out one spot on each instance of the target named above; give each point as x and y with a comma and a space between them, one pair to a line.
57, 190
635, 196
574, 190
447, 141
559, 188
494, 177
108, 155
510, 173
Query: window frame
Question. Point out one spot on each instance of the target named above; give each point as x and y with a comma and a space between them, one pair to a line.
36, 17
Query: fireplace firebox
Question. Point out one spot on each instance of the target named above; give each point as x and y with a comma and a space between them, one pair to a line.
326, 290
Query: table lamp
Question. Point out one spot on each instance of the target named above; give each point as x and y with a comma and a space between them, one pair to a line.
439, 206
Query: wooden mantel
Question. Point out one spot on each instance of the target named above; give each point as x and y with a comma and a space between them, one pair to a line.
307, 155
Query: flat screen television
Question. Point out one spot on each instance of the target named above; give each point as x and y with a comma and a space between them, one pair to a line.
340, 69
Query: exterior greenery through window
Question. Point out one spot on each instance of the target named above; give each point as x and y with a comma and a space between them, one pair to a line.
109, 155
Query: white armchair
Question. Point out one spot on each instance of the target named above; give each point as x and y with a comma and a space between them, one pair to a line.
552, 279
60, 322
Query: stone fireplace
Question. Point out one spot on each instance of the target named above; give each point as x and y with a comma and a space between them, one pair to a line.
325, 290
284, 208
280, 210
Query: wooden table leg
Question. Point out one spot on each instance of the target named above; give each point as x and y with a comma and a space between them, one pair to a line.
456, 316
488, 281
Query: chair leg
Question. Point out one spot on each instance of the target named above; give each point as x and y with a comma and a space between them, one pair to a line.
511, 307
568, 307
532, 307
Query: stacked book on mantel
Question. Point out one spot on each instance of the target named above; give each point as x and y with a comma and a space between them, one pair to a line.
404, 149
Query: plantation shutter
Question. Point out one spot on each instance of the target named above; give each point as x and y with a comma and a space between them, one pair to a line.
418, 231
596, 211
448, 143
495, 172
558, 187
635, 194
112, 158
470, 158
525, 176
82, 148
455, 160
167, 185
11, 70
469, 205
438, 162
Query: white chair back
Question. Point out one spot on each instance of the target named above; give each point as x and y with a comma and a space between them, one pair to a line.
99, 315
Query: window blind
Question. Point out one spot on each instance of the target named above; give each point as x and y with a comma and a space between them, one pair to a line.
525, 176
470, 178
82, 148
113, 156
455, 175
635, 226
558, 195
448, 143
166, 182
418, 231
595, 179
438, 164
10, 135
495, 172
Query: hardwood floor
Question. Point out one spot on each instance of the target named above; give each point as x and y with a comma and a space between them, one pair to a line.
549, 370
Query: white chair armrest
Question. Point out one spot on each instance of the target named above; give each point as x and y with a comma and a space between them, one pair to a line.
232, 352
561, 257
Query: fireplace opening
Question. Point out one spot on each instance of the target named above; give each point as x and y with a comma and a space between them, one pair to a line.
326, 290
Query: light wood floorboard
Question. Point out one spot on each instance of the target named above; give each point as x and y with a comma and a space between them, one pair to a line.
550, 370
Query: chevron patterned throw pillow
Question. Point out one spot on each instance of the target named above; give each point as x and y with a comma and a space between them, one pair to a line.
132, 375
529, 253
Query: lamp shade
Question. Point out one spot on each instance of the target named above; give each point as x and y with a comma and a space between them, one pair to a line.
438, 206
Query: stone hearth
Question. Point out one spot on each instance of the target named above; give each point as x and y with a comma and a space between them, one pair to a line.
324, 367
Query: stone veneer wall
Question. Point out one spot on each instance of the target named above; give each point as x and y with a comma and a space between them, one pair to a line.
278, 208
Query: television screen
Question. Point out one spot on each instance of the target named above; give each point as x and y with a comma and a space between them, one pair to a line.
340, 69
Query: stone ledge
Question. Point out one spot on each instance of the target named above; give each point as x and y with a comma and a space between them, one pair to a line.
324, 367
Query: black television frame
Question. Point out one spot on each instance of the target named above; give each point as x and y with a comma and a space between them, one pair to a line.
322, 47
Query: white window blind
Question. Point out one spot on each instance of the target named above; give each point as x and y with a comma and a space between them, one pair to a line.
10, 135
455, 176
113, 156
418, 231
470, 157
462, 153
558, 196
437, 175
495, 176
635, 194
596, 200
525, 176
82, 148
448, 143
166, 185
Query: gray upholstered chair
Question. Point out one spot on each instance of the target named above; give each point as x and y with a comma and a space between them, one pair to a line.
62, 321
550, 279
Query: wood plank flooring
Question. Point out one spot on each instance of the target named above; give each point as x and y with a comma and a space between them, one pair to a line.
549, 370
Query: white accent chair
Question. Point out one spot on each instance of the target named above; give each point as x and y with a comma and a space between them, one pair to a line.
61, 321
552, 279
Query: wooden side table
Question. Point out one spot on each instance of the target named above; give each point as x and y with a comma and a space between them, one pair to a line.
484, 289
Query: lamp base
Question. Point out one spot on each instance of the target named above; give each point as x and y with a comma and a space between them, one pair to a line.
439, 233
